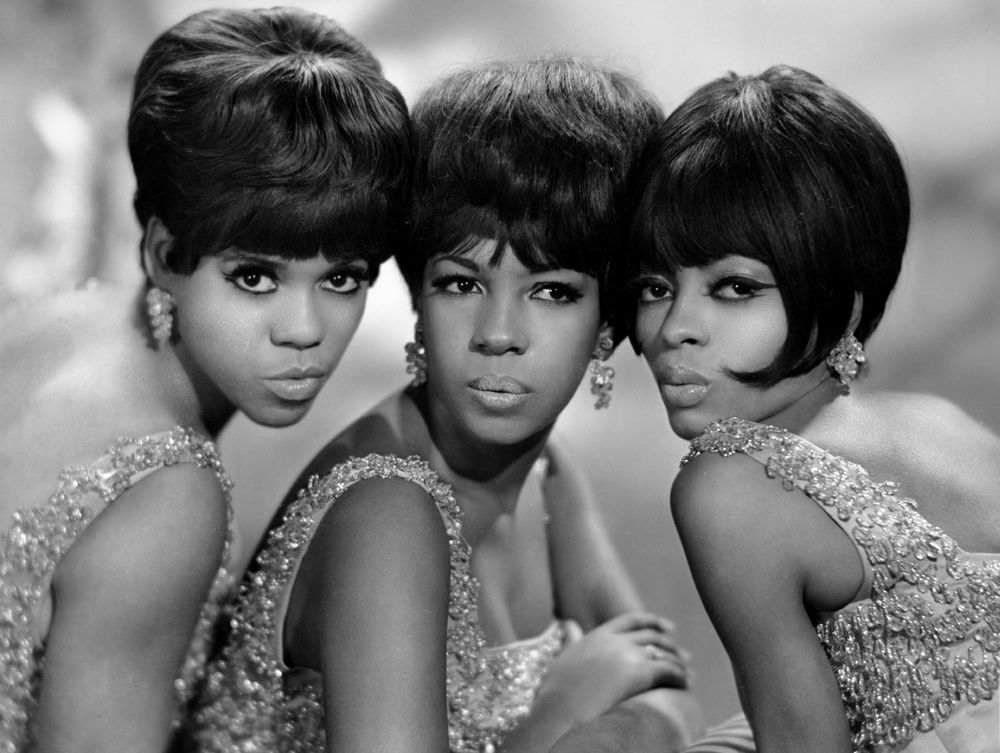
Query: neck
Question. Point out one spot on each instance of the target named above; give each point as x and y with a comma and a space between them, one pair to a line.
187, 391
819, 391
484, 474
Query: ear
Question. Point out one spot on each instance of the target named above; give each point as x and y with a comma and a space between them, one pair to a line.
157, 245
607, 331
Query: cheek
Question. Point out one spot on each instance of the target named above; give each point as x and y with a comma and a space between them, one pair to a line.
341, 320
445, 337
755, 344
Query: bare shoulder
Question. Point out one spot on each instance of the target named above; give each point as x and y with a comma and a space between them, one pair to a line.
729, 507
565, 480
160, 543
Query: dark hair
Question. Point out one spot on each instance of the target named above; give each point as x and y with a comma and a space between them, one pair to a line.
534, 154
787, 170
270, 130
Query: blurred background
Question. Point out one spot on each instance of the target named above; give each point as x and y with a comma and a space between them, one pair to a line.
927, 70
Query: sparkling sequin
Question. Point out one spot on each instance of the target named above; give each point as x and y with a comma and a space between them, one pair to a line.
36, 541
253, 702
927, 640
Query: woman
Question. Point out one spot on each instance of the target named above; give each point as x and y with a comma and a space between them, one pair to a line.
846, 543
442, 581
270, 157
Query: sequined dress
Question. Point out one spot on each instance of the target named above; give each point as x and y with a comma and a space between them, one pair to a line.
38, 537
918, 660
255, 703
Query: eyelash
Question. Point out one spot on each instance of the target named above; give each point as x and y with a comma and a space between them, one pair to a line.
244, 270
753, 288
444, 281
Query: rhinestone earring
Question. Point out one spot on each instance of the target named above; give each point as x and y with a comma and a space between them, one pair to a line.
846, 358
601, 374
160, 313
416, 356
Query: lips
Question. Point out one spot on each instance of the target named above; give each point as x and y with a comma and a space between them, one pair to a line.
681, 387
498, 393
298, 383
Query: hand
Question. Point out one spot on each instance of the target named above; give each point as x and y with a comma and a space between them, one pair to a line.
625, 656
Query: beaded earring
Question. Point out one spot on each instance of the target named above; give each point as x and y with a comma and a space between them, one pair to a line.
601, 374
416, 356
160, 313
846, 358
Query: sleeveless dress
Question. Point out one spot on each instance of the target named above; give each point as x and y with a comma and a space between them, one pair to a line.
38, 537
917, 655
254, 702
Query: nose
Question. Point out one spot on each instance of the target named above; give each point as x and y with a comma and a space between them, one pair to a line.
684, 322
499, 328
297, 322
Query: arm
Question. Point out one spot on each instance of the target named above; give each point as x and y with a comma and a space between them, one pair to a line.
751, 547
375, 584
127, 597
590, 582
658, 721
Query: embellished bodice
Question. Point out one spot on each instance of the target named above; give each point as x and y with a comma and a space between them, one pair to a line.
253, 702
925, 642
37, 539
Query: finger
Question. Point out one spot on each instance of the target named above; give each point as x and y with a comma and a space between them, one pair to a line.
667, 670
631, 621
658, 639
573, 631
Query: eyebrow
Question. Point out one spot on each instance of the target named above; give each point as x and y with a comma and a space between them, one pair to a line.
239, 255
462, 261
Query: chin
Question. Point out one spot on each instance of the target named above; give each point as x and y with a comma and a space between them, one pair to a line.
687, 426
278, 417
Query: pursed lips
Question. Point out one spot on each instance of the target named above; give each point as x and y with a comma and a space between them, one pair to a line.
494, 383
298, 383
497, 393
681, 387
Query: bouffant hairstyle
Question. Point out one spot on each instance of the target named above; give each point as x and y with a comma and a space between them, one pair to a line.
272, 131
534, 155
782, 168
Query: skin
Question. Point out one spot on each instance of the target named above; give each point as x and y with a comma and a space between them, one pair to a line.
80, 372
530, 333
768, 561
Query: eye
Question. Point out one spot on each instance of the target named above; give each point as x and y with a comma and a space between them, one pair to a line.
455, 284
343, 282
557, 292
738, 288
253, 279
652, 289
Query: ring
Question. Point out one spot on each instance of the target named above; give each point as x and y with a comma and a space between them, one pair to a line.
655, 652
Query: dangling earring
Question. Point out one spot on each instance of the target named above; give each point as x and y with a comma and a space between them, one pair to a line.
601, 374
846, 358
416, 356
160, 312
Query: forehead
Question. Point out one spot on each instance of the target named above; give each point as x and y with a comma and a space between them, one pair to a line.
720, 264
492, 254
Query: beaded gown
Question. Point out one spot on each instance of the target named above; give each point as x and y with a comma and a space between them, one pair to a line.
38, 537
917, 655
253, 702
